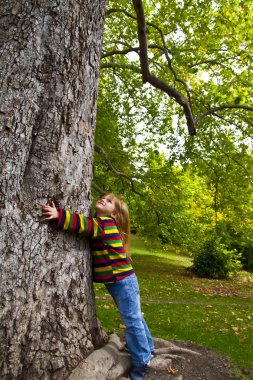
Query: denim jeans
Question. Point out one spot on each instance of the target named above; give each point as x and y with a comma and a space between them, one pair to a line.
126, 295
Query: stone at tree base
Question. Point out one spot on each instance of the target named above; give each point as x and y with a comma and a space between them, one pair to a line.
106, 363
159, 363
160, 368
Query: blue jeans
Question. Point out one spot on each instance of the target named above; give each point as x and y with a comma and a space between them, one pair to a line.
126, 295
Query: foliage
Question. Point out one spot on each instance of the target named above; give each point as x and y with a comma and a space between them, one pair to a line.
245, 246
182, 187
214, 261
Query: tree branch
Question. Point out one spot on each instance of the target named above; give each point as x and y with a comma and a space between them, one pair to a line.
147, 76
212, 111
166, 51
121, 10
213, 62
101, 151
131, 49
238, 163
97, 188
120, 52
113, 65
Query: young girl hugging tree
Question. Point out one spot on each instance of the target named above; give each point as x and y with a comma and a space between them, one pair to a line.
109, 234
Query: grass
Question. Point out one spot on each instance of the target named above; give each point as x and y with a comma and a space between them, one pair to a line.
179, 306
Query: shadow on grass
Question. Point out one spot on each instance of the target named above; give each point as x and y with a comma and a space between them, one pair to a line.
150, 263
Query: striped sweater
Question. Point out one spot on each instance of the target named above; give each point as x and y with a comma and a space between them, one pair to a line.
109, 259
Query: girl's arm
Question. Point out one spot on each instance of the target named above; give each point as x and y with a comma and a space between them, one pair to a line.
72, 221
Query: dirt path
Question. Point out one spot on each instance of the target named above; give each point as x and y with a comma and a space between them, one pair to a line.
207, 366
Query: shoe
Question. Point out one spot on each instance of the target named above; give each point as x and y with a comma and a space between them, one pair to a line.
138, 372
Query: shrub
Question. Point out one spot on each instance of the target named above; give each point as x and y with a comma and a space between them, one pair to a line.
213, 260
246, 249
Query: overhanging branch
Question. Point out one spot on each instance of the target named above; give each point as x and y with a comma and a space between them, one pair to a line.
121, 10
114, 65
147, 76
212, 111
130, 50
214, 62
98, 189
101, 151
120, 52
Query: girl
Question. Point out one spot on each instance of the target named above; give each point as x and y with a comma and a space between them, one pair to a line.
109, 234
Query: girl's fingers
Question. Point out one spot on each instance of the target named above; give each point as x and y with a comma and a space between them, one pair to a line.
52, 204
47, 212
46, 207
49, 216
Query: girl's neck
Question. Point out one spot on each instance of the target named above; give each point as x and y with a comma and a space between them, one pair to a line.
102, 214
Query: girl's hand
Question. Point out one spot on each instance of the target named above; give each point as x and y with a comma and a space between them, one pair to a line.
50, 211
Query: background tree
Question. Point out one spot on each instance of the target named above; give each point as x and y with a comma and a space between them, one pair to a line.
49, 68
202, 51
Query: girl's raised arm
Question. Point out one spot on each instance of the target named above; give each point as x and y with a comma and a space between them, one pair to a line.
74, 222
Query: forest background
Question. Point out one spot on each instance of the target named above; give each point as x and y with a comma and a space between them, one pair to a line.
182, 190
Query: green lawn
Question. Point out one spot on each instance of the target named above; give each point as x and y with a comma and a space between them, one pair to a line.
177, 305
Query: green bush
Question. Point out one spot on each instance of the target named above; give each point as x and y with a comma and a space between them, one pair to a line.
246, 250
214, 261
241, 240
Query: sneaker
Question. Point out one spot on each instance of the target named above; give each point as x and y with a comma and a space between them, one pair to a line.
138, 372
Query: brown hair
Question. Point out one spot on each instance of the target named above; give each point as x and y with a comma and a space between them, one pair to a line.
122, 219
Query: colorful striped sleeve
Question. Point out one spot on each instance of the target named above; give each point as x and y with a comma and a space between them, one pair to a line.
74, 222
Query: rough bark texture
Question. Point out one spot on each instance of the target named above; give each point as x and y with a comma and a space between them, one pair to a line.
49, 72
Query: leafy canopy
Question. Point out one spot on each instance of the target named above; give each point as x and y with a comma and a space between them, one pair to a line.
180, 187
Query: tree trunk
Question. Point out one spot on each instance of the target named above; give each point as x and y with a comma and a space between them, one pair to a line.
50, 54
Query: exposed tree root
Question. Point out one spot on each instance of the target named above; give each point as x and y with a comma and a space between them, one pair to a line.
112, 362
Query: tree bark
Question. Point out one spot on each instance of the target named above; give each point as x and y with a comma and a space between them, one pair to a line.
50, 54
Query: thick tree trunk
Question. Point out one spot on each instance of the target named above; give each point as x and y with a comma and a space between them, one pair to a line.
49, 65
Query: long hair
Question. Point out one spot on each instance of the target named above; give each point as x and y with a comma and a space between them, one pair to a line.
122, 220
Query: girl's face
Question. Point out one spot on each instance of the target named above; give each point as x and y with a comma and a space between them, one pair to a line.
105, 206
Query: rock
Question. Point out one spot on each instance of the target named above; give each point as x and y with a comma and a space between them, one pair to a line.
107, 363
160, 364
